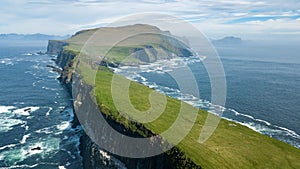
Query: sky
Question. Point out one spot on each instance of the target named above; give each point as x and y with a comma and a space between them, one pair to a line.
249, 19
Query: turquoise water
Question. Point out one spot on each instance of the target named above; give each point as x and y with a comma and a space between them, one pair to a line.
42, 136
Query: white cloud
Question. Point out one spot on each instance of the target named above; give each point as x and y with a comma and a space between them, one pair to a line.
254, 30
68, 16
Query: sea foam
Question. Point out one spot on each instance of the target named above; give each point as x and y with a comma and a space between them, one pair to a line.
6, 109
25, 111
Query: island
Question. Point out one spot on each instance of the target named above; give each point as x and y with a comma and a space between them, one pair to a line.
228, 40
232, 145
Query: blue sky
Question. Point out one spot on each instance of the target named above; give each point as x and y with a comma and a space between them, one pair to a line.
263, 19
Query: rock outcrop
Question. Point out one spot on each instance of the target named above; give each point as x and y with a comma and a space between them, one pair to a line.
55, 46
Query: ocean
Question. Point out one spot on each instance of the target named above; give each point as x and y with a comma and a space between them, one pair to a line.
263, 93
35, 111
263, 86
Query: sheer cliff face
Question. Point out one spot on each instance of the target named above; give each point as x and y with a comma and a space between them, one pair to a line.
67, 50
55, 46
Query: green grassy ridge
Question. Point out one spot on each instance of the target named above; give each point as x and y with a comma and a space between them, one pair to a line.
151, 44
231, 146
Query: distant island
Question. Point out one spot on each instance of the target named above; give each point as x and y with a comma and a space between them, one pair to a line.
228, 40
31, 37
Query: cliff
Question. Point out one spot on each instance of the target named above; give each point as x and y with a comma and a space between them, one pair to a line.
55, 46
93, 155
231, 146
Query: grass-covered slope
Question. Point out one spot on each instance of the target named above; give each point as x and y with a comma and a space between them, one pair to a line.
133, 44
231, 146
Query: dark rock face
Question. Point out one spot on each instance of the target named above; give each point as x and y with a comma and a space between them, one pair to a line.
65, 58
93, 155
140, 54
55, 46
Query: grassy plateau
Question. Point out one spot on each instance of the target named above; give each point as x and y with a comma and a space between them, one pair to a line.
231, 146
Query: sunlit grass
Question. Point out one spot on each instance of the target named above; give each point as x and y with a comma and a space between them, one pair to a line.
231, 146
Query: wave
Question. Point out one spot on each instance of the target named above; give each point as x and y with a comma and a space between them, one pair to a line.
7, 61
7, 146
24, 138
51, 89
20, 166
7, 124
25, 127
25, 111
48, 112
8, 120
6, 109
28, 54
41, 147
46, 130
64, 125
109, 160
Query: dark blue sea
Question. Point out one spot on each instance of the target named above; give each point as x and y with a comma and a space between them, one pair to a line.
263, 93
263, 86
35, 111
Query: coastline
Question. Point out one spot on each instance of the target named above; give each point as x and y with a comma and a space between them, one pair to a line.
268, 142
93, 156
258, 125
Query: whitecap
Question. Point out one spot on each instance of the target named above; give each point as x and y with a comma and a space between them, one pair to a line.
28, 54
8, 124
64, 125
248, 116
24, 138
36, 67
48, 112
19, 103
46, 130
25, 111
234, 111
20, 166
290, 132
6, 109
6, 61
111, 160
48, 88
104, 154
263, 121
24, 123
7, 146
